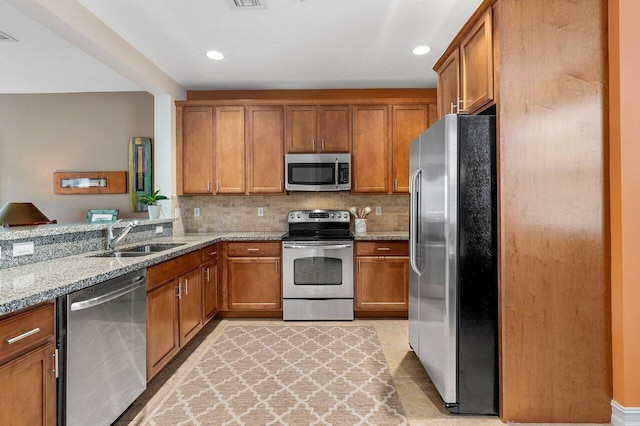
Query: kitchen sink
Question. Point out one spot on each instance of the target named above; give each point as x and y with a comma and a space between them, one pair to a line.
138, 251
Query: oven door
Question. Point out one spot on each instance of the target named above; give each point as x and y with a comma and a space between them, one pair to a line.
317, 270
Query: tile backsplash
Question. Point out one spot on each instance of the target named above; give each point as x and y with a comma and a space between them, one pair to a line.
240, 212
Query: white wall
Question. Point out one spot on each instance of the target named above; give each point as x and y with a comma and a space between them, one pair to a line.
43, 133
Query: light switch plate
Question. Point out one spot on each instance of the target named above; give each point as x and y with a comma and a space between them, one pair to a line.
196, 212
23, 249
159, 229
378, 210
260, 211
176, 213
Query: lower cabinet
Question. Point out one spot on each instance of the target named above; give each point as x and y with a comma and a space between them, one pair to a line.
210, 293
254, 274
174, 308
27, 367
382, 278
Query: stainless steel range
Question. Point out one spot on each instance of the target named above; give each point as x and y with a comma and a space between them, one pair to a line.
317, 266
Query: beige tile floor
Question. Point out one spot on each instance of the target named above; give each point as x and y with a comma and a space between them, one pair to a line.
419, 397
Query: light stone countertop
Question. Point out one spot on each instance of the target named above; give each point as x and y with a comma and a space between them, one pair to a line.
24, 286
27, 285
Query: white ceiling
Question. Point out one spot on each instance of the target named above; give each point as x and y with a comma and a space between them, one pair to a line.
289, 44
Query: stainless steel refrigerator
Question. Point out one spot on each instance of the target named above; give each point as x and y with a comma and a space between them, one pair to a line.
453, 289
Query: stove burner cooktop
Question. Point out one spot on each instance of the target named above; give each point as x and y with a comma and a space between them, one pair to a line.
318, 225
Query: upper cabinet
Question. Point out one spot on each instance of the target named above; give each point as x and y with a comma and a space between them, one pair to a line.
408, 122
370, 168
194, 138
321, 128
265, 146
465, 77
230, 152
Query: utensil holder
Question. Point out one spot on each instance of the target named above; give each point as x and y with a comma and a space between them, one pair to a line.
361, 226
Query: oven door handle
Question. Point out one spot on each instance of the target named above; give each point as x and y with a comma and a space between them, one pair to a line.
319, 246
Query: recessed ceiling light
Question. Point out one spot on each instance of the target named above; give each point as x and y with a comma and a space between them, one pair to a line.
215, 55
421, 50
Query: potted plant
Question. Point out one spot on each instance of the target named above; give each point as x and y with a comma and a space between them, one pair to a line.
151, 201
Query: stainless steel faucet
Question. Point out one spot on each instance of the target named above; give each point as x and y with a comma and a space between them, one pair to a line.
111, 240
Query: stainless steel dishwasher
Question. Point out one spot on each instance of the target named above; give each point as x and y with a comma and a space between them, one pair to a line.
102, 345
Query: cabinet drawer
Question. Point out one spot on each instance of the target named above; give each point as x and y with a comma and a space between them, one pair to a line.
209, 253
253, 249
382, 248
157, 274
25, 329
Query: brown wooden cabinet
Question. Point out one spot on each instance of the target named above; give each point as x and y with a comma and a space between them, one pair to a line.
230, 150
370, 168
210, 281
408, 122
174, 308
465, 77
322, 128
27, 367
254, 276
382, 278
265, 149
194, 150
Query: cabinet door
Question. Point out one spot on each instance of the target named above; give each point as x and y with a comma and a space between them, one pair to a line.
265, 161
334, 130
254, 283
210, 289
382, 283
449, 85
230, 152
476, 64
301, 128
408, 122
370, 149
195, 149
190, 305
162, 327
28, 388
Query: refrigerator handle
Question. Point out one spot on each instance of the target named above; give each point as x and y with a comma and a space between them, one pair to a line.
413, 219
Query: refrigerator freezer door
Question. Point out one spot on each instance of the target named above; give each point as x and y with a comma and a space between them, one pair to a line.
438, 220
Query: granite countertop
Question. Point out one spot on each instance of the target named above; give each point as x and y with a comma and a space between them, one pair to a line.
27, 285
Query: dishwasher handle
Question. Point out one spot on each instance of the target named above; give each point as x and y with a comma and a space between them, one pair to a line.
90, 303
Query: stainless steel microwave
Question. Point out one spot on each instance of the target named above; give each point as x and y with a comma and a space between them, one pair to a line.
318, 172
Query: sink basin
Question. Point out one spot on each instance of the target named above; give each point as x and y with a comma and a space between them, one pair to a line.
141, 250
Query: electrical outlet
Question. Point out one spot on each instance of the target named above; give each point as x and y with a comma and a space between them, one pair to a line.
378, 210
159, 229
196, 212
260, 211
23, 249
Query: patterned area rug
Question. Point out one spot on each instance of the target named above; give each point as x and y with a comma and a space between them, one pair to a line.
287, 375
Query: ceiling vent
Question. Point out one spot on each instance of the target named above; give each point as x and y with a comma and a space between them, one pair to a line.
6, 37
247, 4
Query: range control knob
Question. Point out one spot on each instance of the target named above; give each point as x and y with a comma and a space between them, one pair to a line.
332, 215
299, 215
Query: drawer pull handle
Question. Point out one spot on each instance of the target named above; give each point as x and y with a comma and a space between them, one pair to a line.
208, 274
253, 249
23, 335
213, 253
383, 248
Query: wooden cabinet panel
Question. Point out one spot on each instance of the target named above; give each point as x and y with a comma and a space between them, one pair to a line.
190, 310
230, 150
28, 388
253, 249
254, 283
408, 122
210, 289
209, 253
160, 273
370, 172
265, 145
449, 84
382, 283
382, 248
26, 330
476, 65
163, 340
195, 149
301, 129
334, 129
